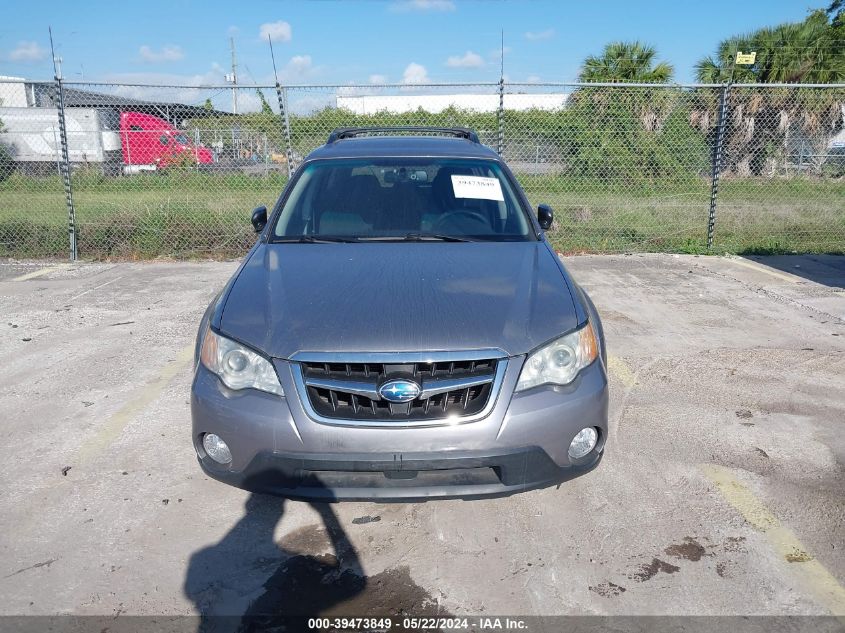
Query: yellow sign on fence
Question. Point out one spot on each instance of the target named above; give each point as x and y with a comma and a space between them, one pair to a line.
746, 58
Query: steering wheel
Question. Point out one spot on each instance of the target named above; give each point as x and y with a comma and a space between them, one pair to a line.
474, 215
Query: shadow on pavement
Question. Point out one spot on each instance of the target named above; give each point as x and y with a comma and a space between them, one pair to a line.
828, 270
248, 582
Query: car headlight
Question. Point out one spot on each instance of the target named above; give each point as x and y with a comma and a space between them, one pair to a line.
560, 361
238, 366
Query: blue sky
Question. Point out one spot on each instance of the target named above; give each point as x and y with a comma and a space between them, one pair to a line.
330, 41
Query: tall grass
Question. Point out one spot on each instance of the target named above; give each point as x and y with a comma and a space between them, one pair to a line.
189, 215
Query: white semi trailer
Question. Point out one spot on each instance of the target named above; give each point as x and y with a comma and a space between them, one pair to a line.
33, 139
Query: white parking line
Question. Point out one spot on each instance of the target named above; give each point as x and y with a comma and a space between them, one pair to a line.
82, 294
40, 272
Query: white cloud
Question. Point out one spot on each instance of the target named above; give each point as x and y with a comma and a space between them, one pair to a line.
299, 69
496, 55
309, 102
468, 60
298, 66
168, 53
533, 79
188, 93
378, 79
277, 31
27, 51
540, 35
248, 101
415, 74
405, 6
233, 30
300, 62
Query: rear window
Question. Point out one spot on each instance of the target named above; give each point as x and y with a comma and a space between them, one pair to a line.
381, 199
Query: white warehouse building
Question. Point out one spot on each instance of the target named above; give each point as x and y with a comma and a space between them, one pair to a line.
395, 104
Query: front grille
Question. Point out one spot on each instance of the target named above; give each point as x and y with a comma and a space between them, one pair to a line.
449, 389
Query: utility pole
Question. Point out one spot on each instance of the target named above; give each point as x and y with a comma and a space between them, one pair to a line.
233, 77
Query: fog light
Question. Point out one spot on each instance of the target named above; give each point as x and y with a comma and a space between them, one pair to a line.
582, 443
218, 450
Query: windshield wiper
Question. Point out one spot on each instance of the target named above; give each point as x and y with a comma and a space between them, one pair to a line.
414, 237
314, 239
423, 237
408, 237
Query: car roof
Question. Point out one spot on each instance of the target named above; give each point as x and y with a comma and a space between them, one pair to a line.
403, 146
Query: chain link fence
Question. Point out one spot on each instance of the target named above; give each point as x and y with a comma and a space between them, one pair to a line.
130, 171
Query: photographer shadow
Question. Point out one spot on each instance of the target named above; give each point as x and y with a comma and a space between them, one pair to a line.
248, 582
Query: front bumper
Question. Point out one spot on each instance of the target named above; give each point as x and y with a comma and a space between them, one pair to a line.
522, 444
408, 476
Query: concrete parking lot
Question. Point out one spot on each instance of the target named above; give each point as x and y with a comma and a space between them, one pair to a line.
722, 491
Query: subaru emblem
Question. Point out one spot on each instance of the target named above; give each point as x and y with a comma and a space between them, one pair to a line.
399, 390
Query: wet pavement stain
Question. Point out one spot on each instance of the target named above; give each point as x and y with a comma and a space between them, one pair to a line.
366, 519
690, 549
308, 538
393, 592
45, 563
734, 544
608, 589
318, 585
650, 570
305, 585
313, 570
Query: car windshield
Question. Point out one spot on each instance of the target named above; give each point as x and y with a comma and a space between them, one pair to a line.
402, 199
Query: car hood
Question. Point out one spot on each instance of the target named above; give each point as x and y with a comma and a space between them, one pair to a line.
387, 297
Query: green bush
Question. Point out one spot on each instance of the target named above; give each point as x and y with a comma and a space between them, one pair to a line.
27, 238
834, 166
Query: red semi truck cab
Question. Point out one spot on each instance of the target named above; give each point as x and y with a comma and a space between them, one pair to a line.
150, 140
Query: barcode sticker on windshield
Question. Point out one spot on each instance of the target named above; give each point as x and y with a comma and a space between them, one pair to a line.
477, 187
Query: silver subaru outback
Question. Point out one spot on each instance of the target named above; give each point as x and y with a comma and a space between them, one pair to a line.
401, 329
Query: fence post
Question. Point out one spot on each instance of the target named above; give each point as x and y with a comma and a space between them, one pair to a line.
721, 124
65, 169
283, 112
500, 115
801, 157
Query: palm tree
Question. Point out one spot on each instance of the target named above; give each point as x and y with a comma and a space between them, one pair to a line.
760, 120
796, 52
626, 62
629, 62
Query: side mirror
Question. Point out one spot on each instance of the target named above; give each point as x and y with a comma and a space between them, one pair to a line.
546, 216
259, 219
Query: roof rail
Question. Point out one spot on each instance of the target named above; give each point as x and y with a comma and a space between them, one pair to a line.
352, 132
